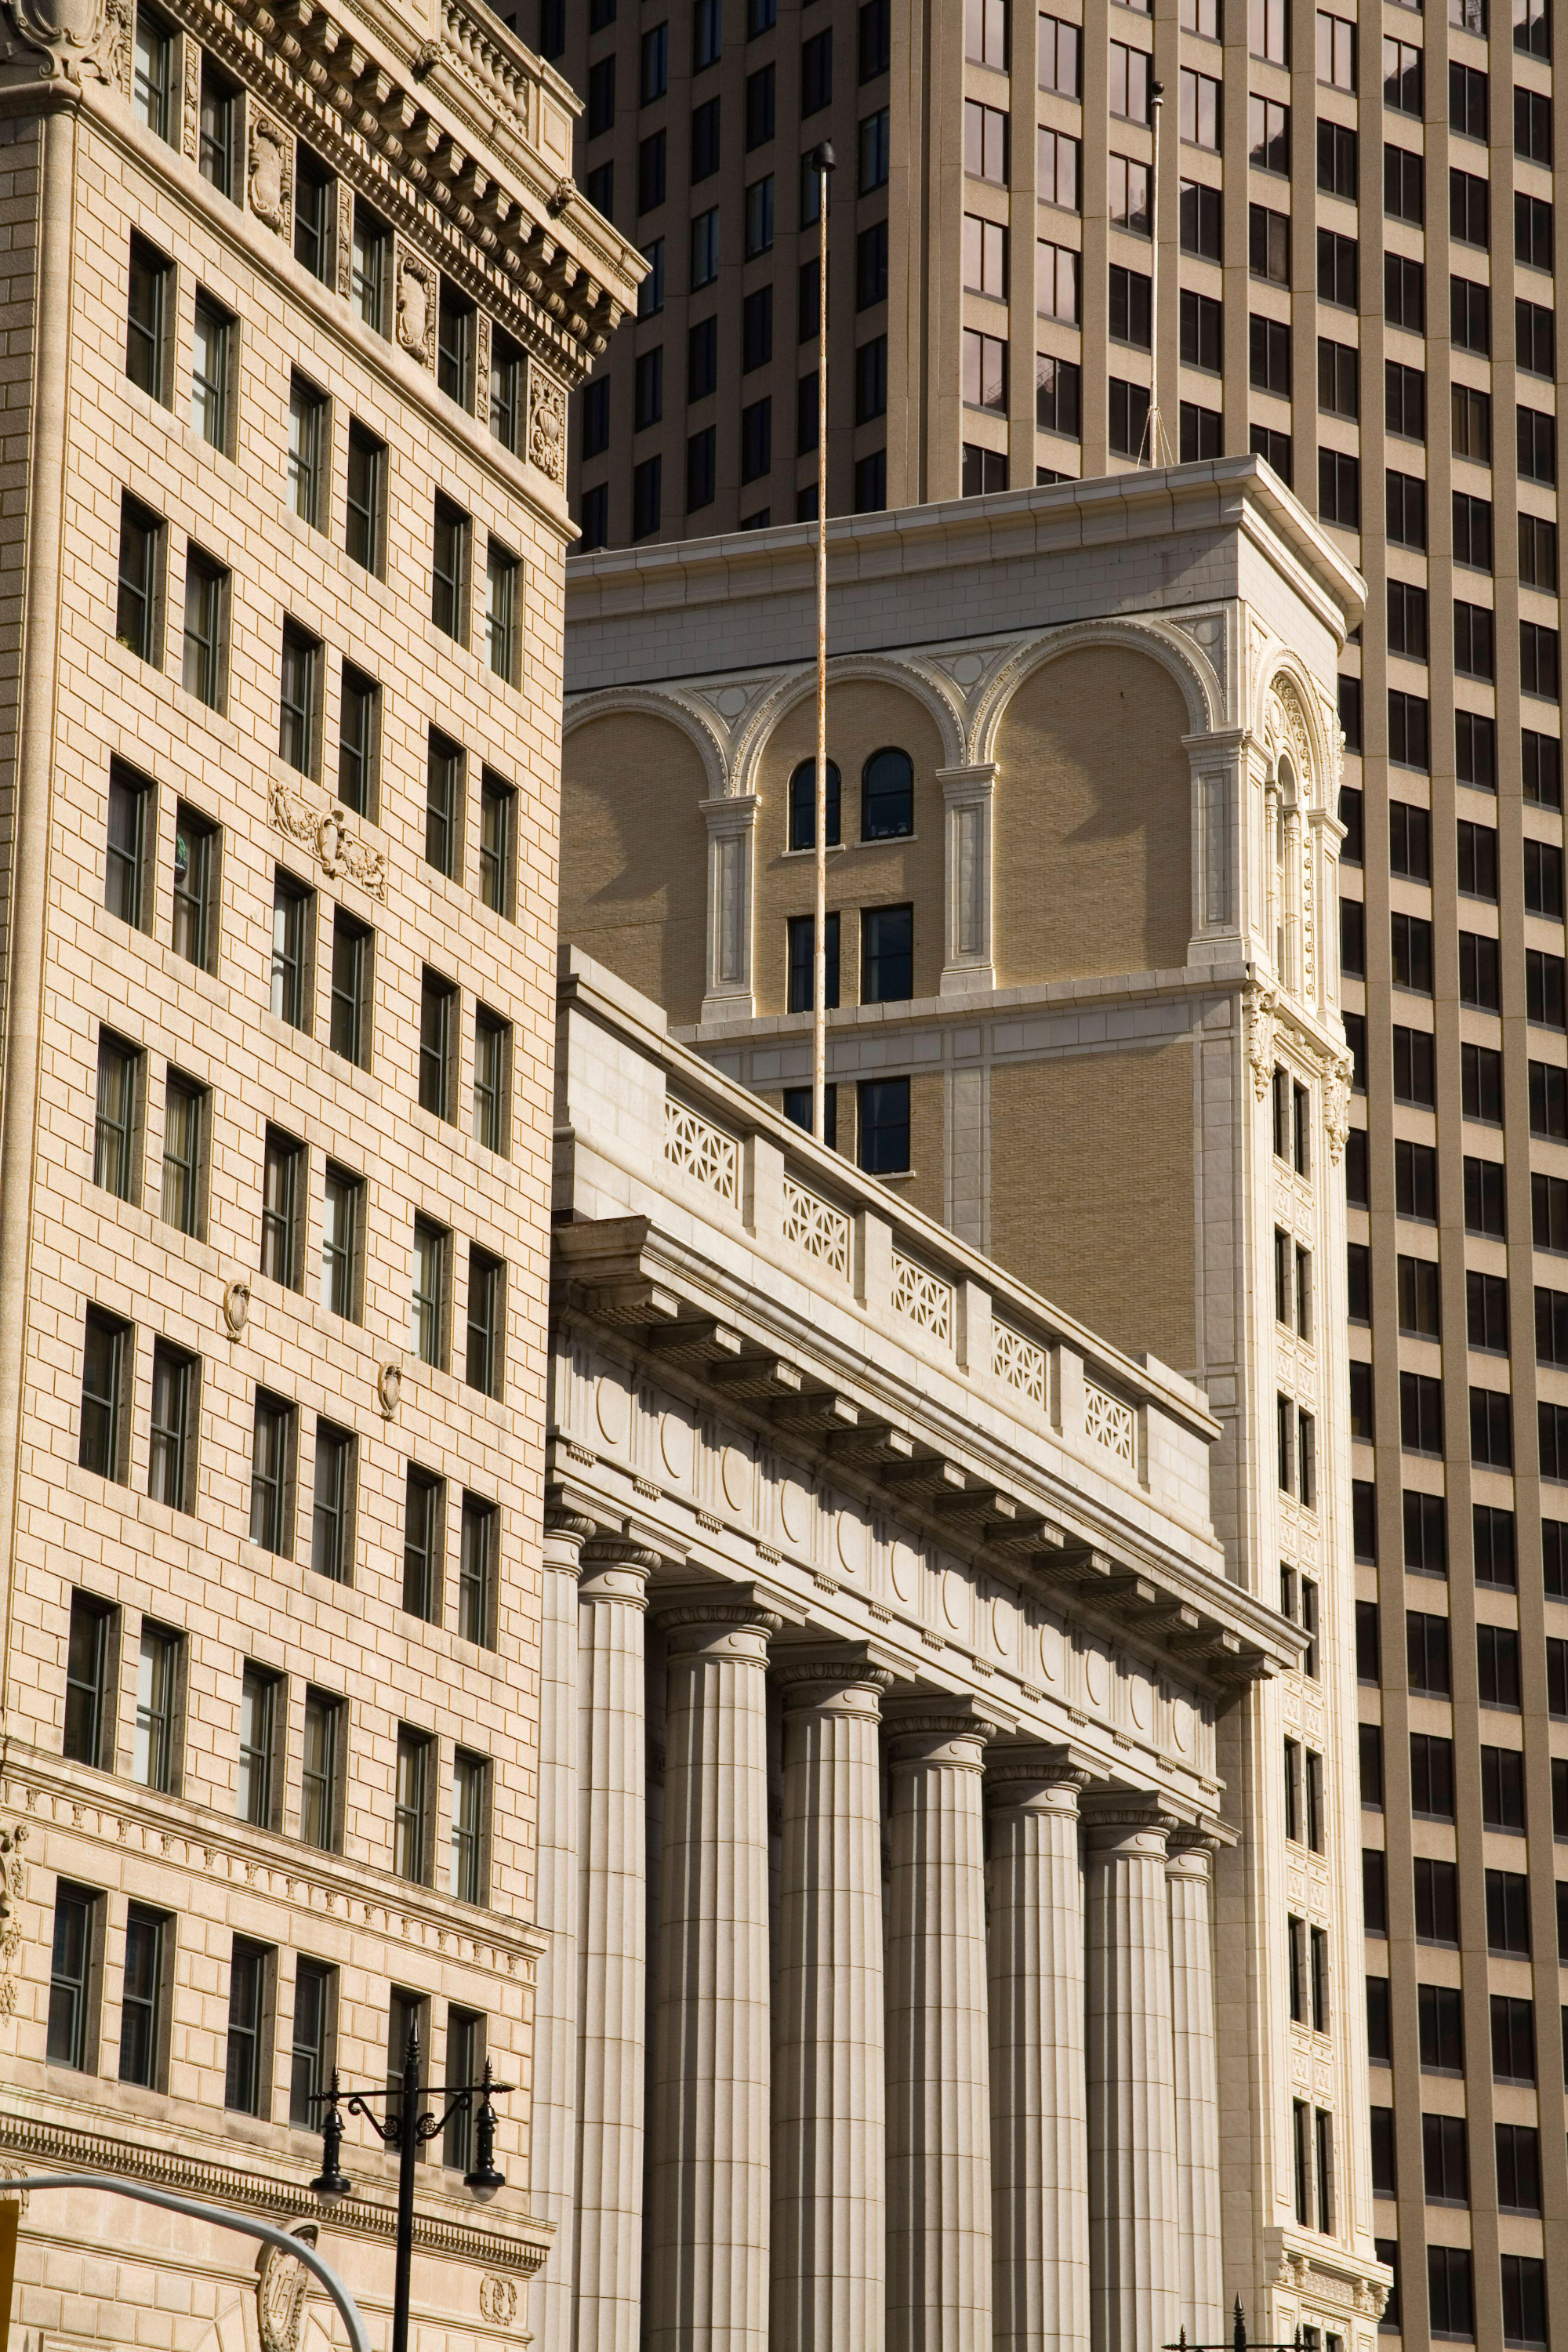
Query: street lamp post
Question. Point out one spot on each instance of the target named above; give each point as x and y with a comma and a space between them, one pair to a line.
407, 2127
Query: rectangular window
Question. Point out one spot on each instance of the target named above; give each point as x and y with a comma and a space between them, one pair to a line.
352, 970
506, 390
117, 1120
314, 2040
342, 1241
449, 562
137, 609
497, 803
424, 1527
465, 2068
299, 698
1127, 193
883, 1126
411, 1806
272, 1474
150, 283
443, 805
332, 1520
73, 1969
486, 1348
315, 213
249, 2023
368, 267
218, 130
144, 1998
359, 741
427, 1305
1269, 135
282, 1223
985, 145
194, 929
1129, 82
1060, 58
205, 660
1336, 53
438, 1046
1198, 106
132, 807
801, 946
887, 954
364, 501
308, 427
152, 74
1201, 217
477, 1572
1339, 161
321, 1772
261, 1700
1058, 396
492, 1080
171, 1453
503, 612
455, 337
212, 347
471, 1824
186, 1107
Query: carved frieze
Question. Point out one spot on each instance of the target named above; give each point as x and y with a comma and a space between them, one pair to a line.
327, 832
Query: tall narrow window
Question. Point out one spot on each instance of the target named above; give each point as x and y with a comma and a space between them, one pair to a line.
359, 736
492, 1080
438, 1046
155, 1756
211, 361
310, 2058
470, 1807
144, 1998
370, 256
497, 803
506, 389
308, 415
411, 1806
293, 924
282, 1194
503, 583
218, 130
152, 74
249, 1992
342, 1241
260, 1709
147, 319
195, 932
105, 1364
465, 2066
424, 1526
487, 1321
455, 345
299, 698
132, 825
427, 1305
204, 654
117, 1118
272, 1474
443, 805
321, 1778
186, 1107
364, 499
141, 577
171, 1450
332, 1516
90, 1666
73, 1957
477, 1572
315, 213
450, 535
353, 967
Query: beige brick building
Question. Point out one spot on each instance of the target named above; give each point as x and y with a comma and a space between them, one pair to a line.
293, 304
1085, 876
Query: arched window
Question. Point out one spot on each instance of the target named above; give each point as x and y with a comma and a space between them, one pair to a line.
803, 805
886, 796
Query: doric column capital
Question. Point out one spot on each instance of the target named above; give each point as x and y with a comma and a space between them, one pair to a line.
1189, 1853
844, 1680
718, 1621
567, 1528
616, 1567
1128, 1821
1040, 1779
934, 1729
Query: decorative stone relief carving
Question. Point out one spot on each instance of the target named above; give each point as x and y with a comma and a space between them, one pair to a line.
328, 833
76, 39
192, 124
498, 2299
345, 240
482, 369
1207, 633
415, 307
12, 1883
1337, 1106
546, 423
272, 173
1261, 1006
281, 2288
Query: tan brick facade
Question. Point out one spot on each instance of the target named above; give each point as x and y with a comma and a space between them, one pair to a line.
174, 312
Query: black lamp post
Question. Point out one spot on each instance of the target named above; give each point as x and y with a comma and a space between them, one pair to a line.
1237, 2340
407, 2127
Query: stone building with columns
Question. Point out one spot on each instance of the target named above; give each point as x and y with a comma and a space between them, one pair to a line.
891, 1727
1083, 924
293, 299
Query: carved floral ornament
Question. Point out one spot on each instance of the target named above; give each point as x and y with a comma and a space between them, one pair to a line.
272, 173
74, 39
415, 307
1263, 1010
546, 423
328, 835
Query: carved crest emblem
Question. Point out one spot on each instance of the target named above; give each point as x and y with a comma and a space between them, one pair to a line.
546, 424
414, 307
281, 2288
272, 173
74, 37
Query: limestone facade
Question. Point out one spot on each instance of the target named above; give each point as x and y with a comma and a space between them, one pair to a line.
1089, 1021
293, 304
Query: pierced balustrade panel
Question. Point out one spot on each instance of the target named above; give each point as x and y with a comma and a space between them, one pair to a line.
1110, 1424
702, 1151
1020, 1362
924, 1298
815, 1226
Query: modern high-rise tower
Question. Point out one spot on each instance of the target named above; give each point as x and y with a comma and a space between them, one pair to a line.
1353, 275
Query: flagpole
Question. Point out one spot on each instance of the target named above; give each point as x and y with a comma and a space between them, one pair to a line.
822, 158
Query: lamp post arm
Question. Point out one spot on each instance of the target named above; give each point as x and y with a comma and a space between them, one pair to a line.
194, 2211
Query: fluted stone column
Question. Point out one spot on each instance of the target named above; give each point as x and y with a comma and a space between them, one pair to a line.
829, 2129
612, 1944
1039, 2127
1131, 2117
707, 2275
939, 2105
1197, 2088
552, 2177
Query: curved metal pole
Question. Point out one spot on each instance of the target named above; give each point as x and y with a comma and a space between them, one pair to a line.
316, 2264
